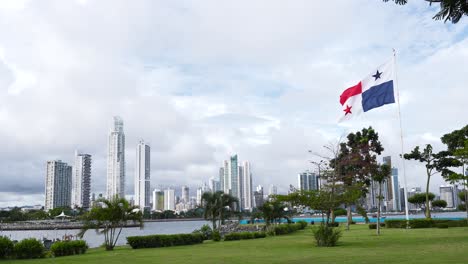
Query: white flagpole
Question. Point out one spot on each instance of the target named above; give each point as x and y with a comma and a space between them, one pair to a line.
401, 137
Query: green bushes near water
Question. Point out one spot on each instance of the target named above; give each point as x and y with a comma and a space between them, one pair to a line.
289, 228
424, 223
66, 248
29, 248
374, 225
244, 235
155, 241
6, 247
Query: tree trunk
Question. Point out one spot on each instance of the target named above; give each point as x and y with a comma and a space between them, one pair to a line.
378, 208
332, 215
428, 212
350, 217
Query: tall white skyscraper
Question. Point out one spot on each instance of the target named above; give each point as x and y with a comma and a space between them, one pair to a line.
142, 176
307, 181
199, 196
246, 186
169, 199
185, 194
446, 194
116, 160
58, 185
273, 190
226, 181
81, 181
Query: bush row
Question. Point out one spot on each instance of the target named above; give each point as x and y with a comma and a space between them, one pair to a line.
424, 223
29, 248
154, 241
244, 235
374, 225
66, 248
289, 228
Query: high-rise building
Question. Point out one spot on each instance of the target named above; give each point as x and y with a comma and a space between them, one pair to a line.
214, 185
185, 195
199, 196
396, 190
246, 186
116, 160
446, 194
81, 181
258, 196
58, 187
226, 180
158, 200
307, 181
169, 199
273, 190
142, 176
412, 192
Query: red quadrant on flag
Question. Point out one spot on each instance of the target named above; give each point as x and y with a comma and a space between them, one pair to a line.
351, 91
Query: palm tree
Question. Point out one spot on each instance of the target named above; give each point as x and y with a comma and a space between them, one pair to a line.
218, 206
108, 217
273, 211
380, 174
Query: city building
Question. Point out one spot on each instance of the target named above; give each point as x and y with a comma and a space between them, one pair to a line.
199, 196
169, 200
307, 181
116, 160
142, 176
412, 192
81, 181
273, 190
396, 190
447, 194
214, 185
258, 196
158, 200
235, 179
58, 186
185, 194
246, 186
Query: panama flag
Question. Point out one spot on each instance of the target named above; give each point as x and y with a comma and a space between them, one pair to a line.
375, 90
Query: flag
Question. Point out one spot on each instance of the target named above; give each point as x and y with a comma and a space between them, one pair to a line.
375, 90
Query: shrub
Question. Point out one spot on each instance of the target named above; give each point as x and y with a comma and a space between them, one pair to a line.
29, 249
394, 223
326, 236
442, 225
259, 234
244, 235
66, 248
232, 236
206, 231
154, 241
216, 236
420, 223
289, 228
334, 224
247, 235
374, 225
6, 247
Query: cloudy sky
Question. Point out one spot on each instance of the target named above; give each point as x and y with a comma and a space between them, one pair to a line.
200, 80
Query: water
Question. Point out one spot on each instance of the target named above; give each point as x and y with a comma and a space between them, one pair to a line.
360, 219
95, 240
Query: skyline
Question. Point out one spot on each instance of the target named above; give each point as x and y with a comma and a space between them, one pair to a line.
199, 81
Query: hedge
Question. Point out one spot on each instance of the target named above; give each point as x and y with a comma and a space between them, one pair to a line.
66, 248
289, 228
244, 235
154, 241
374, 225
6, 247
424, 223
29, 249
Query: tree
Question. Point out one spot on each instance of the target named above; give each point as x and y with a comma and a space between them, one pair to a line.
457, 146
419, 199
380, 174
434, 162
273, 211
450, 10
355, 163
439, 203
218, 206
108, 217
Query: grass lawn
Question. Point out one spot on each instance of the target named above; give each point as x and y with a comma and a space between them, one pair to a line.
360, 245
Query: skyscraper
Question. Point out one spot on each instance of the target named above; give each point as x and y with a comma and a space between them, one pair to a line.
214, 185
273, 190
234, 176
246, 186
446, 194
169, 199
116, 160
185, 195
81, 181
58, 185
307, 181
158, 200
258, 196
142, 176
396, 190
199, 196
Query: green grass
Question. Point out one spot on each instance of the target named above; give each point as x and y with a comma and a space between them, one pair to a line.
360, 245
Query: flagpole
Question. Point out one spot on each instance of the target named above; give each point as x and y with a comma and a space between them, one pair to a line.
401, 138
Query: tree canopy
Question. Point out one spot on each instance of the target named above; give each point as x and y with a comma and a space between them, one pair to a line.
450, 10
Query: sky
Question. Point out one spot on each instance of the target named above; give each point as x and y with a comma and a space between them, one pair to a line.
202, 80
